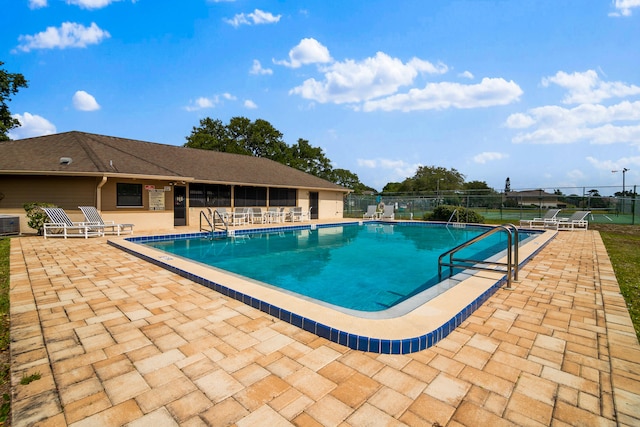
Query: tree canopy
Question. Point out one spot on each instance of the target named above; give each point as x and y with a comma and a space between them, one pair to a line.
428, 179
261, 139
10, 83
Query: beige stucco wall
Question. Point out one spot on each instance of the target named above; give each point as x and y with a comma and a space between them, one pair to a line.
71, 192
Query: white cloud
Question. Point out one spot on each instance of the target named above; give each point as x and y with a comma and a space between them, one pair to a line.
614, 165
257, 68
257, 17
308, 51
250, 104
202, 102
489, 156
31, 125
93, 4
587, 87
37, 4
351, 82
84, 101
623, 7
69, 34
399, 168
488, 93
594, 123
209, 102
519, 121
466, 75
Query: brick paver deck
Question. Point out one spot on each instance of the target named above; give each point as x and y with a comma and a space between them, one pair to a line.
118, 341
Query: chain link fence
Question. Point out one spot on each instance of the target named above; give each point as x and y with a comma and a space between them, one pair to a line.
509, 206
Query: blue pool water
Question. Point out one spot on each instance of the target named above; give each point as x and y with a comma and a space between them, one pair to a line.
369, 267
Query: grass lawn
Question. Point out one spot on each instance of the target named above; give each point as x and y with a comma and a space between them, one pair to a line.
5, 380
622, 245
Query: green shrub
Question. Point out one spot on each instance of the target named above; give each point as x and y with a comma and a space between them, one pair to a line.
36, 216
444, 212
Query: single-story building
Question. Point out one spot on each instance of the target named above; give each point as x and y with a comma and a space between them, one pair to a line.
538, 198
154, 186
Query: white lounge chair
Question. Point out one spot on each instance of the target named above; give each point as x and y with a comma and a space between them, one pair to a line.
60, 225
371, 212
92, 216
577, 221
548, 220
387, 212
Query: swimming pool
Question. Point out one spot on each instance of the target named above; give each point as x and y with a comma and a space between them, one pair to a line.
417, 321
369, 267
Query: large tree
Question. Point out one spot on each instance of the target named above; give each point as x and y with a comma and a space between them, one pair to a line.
10, 83
429, 179
261, 139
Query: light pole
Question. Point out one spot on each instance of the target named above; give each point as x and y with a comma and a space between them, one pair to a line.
624, 193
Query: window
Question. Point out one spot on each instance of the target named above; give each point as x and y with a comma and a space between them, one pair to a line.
283, 196
129, 195
209, 195
250, 196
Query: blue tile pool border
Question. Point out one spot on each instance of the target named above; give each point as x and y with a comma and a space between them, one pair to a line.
353, 341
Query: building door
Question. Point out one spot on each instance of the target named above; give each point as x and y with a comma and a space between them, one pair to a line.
313, 204
179, 205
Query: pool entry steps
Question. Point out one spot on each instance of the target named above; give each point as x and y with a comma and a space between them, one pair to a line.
511, 266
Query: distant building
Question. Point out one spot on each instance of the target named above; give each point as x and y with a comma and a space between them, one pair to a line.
155, 186
538, 198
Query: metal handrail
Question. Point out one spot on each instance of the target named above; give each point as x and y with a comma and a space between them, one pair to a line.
455, 211
211, 221
511, 265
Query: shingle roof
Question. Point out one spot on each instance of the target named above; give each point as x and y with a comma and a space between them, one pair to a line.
93, 154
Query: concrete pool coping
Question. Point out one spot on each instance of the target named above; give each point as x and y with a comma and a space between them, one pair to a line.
415, 330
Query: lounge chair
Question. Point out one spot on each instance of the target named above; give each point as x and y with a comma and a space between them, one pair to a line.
577, 221
548, 220
387, 212
60, 225
371, 212
92, 216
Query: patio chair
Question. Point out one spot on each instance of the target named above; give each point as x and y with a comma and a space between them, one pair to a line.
60, 225
240, 216
577, 221
306, 215
387, 212
273, 215
92, 216
371, 212
295, 214
547, 220
224, 213
256, 215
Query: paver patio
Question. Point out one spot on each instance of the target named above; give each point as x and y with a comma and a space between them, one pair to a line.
119, 341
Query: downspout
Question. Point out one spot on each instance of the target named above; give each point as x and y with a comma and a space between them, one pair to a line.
99, 193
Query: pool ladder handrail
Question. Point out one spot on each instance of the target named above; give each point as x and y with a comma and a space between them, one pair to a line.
512, 255
211, 221
456, 224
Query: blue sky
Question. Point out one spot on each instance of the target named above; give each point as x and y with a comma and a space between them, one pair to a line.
544, 92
